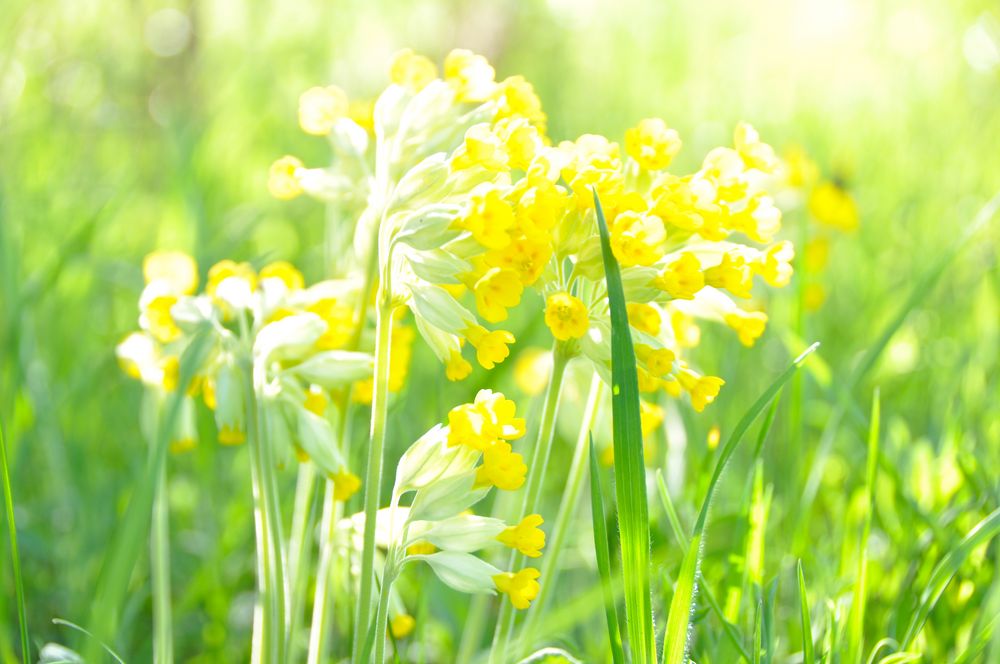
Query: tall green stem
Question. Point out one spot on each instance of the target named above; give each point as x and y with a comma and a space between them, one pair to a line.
373, 483
321, 603
299, 551
382, 617
160, 562
14, 557
567, 509
536, 476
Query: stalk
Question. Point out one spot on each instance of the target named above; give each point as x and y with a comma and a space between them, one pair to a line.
382, 617
14, 558
303, 521
536, 474
160, 561
567, 509
373, 483
318, 629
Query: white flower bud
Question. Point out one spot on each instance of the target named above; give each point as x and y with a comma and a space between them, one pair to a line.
316, 436
464, 532
439, 308
289, 337
335, 368
446, 497
437, 266
430, 460
462, 571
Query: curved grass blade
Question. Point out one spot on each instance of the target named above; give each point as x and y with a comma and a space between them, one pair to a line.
979, 643
15, 560
675, 643
602, 550
134, 529
984, 531
808, 657
630, 467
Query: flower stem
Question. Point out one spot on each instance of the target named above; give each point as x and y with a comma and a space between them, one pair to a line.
300, 551
382, 617
14, 557
567, 509
536, 475
321, 604
160, 562
373, 483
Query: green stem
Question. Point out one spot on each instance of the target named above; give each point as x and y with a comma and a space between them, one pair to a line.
14, 558
373, 483
382, 617
303, 522
567, 509
321, 604
160, 562
536, 475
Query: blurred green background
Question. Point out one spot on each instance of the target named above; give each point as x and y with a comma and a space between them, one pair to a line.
130, 126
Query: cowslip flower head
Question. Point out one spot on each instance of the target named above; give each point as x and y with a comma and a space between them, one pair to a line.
521, 587
526, 536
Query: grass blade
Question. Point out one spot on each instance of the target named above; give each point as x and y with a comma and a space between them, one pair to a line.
602, 549
856, 635
757, 629
984, 531
630, 467
808, 657
15, 559
675, 643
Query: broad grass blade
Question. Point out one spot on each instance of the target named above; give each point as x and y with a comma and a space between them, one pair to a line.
808, 657
630, 467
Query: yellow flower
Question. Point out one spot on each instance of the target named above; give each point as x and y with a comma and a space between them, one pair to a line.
411, 70
491, 417
489, 218
714, 436
644, 317
686, 330
732, 274
526, 536
491, 347
501, 467
316, 400
676, 202
531, 371
470, 74
637, 239
650, 417
817, 254
749, 325
339, 321
402, 625
170, 365
652, 144
231, 435
175, 268
658, 361
521, 587
755, 153
225, 269
399, 357
457, 368
774, 265
521, 142
647, 381
800, 170
284, 271
420, 549
181, 445
283, 181
566, 316
526, 257
703, 389
496, 291
541, 206
345, 484
160, 321
208, 393
682, 277
517, 98
834, 206
481, 148
814, 297
320, 108
362, 111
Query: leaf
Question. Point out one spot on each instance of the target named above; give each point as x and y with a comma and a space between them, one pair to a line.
856, 635
602, 551
808, 657
675, 641
630, 467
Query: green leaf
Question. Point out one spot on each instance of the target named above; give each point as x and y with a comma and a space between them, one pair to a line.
8, 497
856, 635
808, 657
602, 551
630, 467
675, 643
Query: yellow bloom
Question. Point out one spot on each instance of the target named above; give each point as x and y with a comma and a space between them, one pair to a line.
411, 70
283, 181
815, 296
676, 202
566, 316
521, 587
541, 206
526, 536
817, 254
527, 257
362, 111
491, 347
402, 625
517, 98
339, 321
774, 264
732, 274
457, 368
647, 382
501, 467
531, 371
658, 361
521, 142
230, 435
284, 271
420, 549
489, 218
345, 484
686, 330
170, 365
749, 325
175, 268
637, 239
483, 148
399, 357
714, 436
834, 206
682, 277
316, 400
470, 74
225, 269
320, 108
208, 393
652, 144
644, 317
755, 153
703, 389
800, 170
491, 417
160, 321
181, 445
496, 291
650, 416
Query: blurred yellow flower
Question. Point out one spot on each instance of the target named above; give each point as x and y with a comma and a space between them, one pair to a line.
501, 467
345, 484
320, 108
566, 316
652, 144
283, 181
411, 70
834, 206
521, 587
175, 268
526, 536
